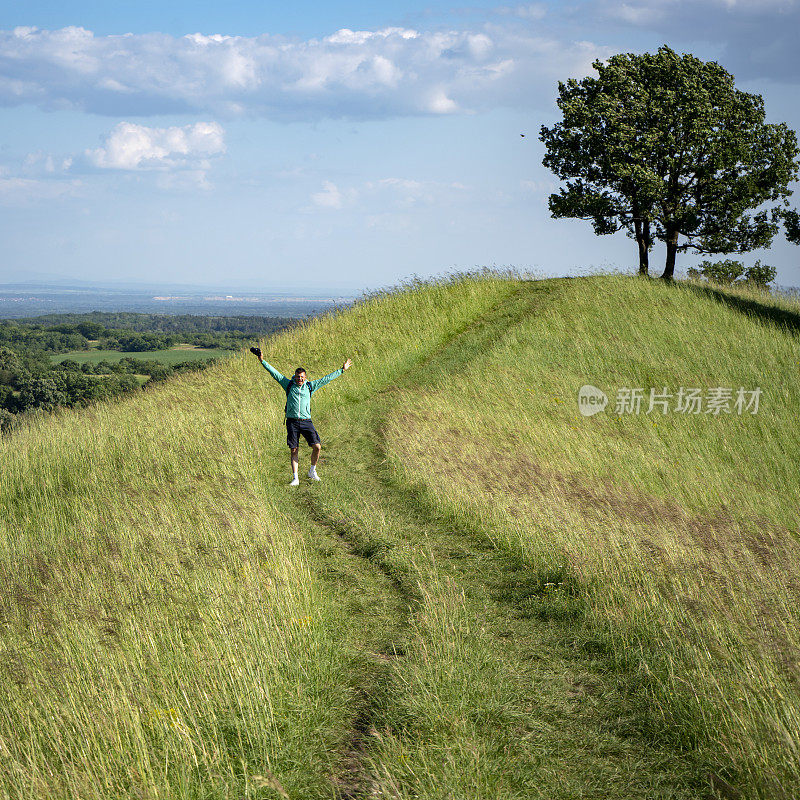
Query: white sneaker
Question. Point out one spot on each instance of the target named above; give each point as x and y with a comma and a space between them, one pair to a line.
313, 475
295, 482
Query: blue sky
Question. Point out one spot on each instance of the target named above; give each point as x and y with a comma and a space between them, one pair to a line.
326, 145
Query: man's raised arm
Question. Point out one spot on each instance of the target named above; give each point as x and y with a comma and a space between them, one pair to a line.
318, 383
282, 379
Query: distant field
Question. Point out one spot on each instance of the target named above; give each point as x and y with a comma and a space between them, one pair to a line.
171, 356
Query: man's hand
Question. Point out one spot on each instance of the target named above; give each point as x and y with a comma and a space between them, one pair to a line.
347, 364
256, 352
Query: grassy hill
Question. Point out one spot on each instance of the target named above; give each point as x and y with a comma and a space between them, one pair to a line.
488, 595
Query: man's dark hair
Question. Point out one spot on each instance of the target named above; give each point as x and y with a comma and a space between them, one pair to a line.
299, 370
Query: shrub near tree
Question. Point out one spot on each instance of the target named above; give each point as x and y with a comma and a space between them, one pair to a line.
664, 147
728, 272
760, 275
723, 272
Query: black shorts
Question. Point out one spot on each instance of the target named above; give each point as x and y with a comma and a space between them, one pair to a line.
294, 427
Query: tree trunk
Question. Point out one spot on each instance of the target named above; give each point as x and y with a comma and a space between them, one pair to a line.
672, 249
641, 240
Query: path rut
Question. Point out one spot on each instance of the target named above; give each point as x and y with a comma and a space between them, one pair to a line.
554, 718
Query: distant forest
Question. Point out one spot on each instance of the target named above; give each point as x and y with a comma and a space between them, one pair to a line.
134, 332
31, 383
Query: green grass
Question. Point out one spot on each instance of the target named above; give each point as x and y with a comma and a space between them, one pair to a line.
487, 596
171, 356
678, 533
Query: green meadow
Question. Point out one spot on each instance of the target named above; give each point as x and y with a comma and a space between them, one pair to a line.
487, 596
172, 356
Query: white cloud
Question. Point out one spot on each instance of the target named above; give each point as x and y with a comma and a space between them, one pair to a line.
528, 11
646, 11
539, 187
16, 190
402, 192
329, 197
41, 164
440, 103
407, 193
184, 180
178, 156
38, 176
638, 14
133, 147
359, 74
388, 222
757, 38
388, 193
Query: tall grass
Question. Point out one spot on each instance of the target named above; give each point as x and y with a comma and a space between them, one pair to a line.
162, 632
479, 700
169, 631
165, 633
668, 541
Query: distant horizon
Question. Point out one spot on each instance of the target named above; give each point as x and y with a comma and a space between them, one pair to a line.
40, 299
57, 283
67, 282
152, 297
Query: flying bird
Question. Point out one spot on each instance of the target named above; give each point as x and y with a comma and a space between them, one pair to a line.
522, 135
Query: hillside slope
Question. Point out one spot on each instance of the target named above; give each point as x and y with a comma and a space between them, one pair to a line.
488, 595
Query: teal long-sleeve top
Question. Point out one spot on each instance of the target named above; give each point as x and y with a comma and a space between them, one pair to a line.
298, 398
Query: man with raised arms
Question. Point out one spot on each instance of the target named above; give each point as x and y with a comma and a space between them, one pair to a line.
298, 412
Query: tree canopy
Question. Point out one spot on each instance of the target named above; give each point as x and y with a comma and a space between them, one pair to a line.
665, 147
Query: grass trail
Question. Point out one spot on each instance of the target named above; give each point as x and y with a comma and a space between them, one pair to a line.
170, 629
486, 700
670, 539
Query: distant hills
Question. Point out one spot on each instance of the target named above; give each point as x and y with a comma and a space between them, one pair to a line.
58, 296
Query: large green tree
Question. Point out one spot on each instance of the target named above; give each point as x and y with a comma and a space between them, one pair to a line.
665, 147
